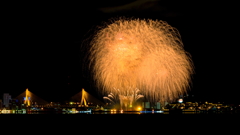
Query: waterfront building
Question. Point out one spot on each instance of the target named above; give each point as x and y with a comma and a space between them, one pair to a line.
6, 99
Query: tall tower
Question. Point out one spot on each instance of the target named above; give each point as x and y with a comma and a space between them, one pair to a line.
6, 98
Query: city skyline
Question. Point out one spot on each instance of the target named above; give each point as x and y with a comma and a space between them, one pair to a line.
42, 47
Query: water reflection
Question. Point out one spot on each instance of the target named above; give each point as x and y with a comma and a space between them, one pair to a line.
113, 112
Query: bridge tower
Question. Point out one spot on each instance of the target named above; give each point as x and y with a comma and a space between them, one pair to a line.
27, 98
83, 99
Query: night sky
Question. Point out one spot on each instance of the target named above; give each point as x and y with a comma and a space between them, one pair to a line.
41, 44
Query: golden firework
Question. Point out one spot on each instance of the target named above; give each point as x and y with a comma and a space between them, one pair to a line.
143, 54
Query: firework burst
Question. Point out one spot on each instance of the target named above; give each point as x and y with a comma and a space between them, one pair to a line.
143, 54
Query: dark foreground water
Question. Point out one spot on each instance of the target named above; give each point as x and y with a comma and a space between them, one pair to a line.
110, 120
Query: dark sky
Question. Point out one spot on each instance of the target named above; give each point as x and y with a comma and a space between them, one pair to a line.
41, 43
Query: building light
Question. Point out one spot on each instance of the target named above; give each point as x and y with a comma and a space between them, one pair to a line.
139, 108
180, 100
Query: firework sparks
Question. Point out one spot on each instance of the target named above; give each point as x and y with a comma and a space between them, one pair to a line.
130, 99
111, 98
143, 54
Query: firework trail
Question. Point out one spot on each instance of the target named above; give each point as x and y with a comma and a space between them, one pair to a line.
143, 54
